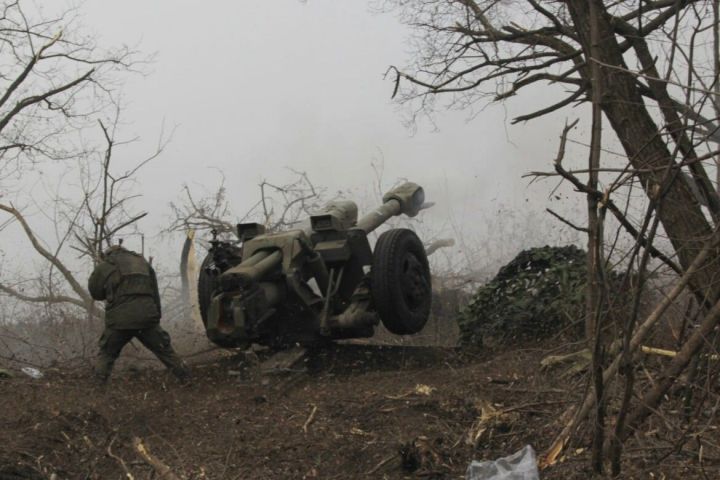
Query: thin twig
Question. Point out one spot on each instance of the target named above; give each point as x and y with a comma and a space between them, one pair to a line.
566, 222
381, 464
310, 418
122, 463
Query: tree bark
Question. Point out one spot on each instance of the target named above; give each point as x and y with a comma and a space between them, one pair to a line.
682, 218
595, 293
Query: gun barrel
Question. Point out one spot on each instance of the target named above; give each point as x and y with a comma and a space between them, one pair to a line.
408, 198
261, 268
253, 269
380, 215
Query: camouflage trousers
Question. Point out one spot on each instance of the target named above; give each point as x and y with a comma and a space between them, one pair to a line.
154, 338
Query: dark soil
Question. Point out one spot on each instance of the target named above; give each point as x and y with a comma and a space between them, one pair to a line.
354, 411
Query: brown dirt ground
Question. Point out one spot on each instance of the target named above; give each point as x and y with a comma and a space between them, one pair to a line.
373, 418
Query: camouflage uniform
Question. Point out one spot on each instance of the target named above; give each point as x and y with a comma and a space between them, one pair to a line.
128, 285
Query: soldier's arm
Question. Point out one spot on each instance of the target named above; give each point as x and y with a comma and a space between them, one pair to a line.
156, 290
98, 279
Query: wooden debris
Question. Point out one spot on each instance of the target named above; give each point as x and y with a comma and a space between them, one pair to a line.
490, 419
574, 363
669, 353
310, 418
163, 471
381, 464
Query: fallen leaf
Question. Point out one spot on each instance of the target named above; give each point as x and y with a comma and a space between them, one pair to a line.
421, 389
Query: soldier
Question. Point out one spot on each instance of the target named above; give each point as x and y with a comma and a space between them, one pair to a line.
127, 283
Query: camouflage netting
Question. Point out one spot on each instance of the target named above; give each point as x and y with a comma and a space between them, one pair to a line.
539, 292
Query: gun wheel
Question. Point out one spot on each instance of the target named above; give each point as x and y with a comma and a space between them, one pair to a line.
207, 283
401, 284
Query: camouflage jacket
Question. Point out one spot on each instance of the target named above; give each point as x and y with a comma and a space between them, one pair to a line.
128, 285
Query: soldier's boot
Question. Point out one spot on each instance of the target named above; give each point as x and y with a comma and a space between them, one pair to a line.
175, 364
157, 341
103, 368
182, 373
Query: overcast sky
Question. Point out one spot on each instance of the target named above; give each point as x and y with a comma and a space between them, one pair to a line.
256, 86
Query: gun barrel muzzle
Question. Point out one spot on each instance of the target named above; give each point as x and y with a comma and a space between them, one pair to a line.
408, 198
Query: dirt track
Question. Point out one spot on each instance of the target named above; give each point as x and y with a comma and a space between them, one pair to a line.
374, 409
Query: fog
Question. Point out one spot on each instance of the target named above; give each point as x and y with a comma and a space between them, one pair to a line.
252, 88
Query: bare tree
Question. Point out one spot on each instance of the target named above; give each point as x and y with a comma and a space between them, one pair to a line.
650, 68
55, 82
86, 223
107, 191
474, 51
279, 206
56, 85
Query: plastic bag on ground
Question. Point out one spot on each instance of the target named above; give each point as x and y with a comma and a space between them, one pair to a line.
32, 372
521, 465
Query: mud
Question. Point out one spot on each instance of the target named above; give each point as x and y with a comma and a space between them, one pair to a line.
351, 411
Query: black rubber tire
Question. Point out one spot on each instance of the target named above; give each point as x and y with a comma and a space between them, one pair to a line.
207, 283
401, 283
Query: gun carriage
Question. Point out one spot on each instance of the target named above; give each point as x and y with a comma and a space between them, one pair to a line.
318, 283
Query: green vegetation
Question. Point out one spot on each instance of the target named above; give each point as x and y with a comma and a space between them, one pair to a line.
539, 292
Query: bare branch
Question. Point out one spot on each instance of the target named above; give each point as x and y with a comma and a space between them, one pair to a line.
41, 298
566, 221
54, 260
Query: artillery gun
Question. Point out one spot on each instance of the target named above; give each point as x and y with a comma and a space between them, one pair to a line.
320, 283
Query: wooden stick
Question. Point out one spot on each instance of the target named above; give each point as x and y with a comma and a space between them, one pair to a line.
669, 353
382, 462
310, 418
164, 472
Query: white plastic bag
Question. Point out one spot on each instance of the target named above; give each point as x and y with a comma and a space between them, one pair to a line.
521, 465
32, 372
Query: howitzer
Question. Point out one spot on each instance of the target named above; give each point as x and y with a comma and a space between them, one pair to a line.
319, 283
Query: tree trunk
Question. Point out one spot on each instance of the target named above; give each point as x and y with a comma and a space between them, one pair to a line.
681, 215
